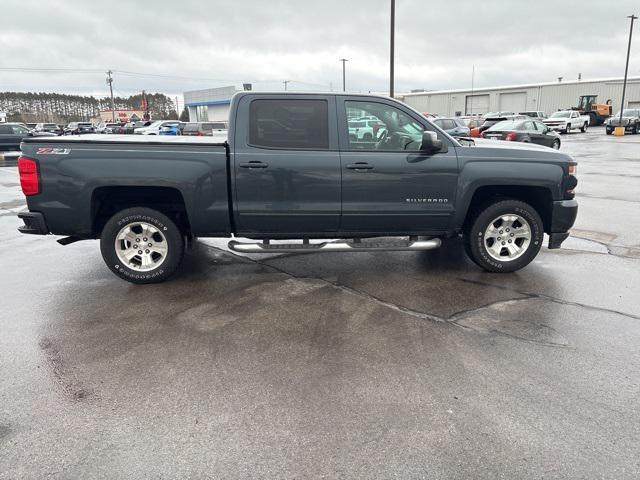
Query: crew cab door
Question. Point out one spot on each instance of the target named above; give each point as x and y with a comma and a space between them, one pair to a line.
286, 165
389, 186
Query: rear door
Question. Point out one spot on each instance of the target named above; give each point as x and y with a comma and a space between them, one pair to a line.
286, 165
388, 185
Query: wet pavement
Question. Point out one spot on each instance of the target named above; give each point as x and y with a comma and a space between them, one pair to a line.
357, 365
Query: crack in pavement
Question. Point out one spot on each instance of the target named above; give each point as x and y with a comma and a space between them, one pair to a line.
560, 301
451, 319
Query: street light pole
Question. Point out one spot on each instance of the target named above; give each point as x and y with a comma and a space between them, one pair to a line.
344, 84
626, 68
285, 84
392, 46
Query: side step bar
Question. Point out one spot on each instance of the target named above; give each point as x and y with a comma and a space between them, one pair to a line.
342, 246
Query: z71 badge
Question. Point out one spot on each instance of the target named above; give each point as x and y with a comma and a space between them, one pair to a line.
53, 151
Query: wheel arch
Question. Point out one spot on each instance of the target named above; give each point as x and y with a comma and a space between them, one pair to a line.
107, 201
539, 197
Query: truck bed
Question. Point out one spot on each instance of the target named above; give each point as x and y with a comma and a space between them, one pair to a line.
217, 140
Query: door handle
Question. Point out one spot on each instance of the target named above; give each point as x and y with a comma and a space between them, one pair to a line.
253, 164
360, 166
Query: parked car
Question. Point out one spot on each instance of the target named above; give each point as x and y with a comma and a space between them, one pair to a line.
302, 178
200, 129
630, 121
173, 129
30, 126
535, 114
567, 120
526, 131
491, 119
365, 130
49, 128
154, 128
130, 127
453, 126
106, 127
79, 128
12, 134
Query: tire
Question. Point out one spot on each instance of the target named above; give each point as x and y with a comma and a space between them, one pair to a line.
556, 144
367, 137
584, 127
163, 236
609, 132
568, 129
479, 241
635, 129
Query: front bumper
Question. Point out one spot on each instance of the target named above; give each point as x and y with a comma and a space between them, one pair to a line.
34, 223
563, 217
558, 128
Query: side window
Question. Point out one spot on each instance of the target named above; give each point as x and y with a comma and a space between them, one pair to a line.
393, 130
5, 130
541, 126
529, 127
292, 124
20, 130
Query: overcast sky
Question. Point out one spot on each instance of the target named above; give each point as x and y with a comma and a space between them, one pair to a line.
216, 43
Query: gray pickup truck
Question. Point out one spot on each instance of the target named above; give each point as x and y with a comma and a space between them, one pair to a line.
289, 169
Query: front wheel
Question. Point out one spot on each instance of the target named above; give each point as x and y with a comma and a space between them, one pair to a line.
142, 245
504, 236
556, 144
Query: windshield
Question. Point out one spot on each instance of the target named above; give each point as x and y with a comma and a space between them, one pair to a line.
560, 115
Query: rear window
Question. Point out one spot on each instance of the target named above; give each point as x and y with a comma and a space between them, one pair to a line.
214, 126
293, 124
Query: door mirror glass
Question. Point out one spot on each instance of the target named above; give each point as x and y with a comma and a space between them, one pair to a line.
430, 142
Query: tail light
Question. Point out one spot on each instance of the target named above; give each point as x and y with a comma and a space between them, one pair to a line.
511, 136
29, 177
199, 134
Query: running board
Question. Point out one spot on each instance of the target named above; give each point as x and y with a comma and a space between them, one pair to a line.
342, 246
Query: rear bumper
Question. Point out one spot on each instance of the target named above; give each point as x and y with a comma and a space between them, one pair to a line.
34, 223
562, 219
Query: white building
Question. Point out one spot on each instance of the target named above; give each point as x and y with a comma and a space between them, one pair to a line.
211, 104
547, 97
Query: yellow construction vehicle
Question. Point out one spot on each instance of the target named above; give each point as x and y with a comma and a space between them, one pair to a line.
598, 112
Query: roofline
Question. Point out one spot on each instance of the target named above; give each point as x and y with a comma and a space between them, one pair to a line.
527, 85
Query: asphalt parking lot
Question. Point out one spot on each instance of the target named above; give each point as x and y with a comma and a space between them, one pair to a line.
358, 365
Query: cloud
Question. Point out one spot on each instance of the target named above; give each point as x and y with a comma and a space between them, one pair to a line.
189, 44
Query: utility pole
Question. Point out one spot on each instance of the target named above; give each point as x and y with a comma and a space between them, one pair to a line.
285, 84
344, 84
392, 46
473, 73
626, 68
177, 108
113, 108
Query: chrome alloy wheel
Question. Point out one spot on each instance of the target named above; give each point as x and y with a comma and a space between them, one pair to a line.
507, 237
141, 246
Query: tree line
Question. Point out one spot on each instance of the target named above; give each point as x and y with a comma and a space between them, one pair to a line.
62, 108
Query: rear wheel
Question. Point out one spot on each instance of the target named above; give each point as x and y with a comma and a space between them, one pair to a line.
584, 127
142, 245
504, 236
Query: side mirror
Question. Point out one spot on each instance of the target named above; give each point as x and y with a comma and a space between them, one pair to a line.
430, 142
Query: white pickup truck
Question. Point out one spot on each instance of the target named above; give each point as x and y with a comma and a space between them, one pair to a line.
567, 120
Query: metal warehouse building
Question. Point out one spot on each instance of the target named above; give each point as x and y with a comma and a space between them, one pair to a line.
547, 97
211, 104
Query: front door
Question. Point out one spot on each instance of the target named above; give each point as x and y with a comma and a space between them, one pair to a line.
388, 185
286, 166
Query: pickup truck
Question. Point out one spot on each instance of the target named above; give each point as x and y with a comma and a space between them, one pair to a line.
567, 120
288, 170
